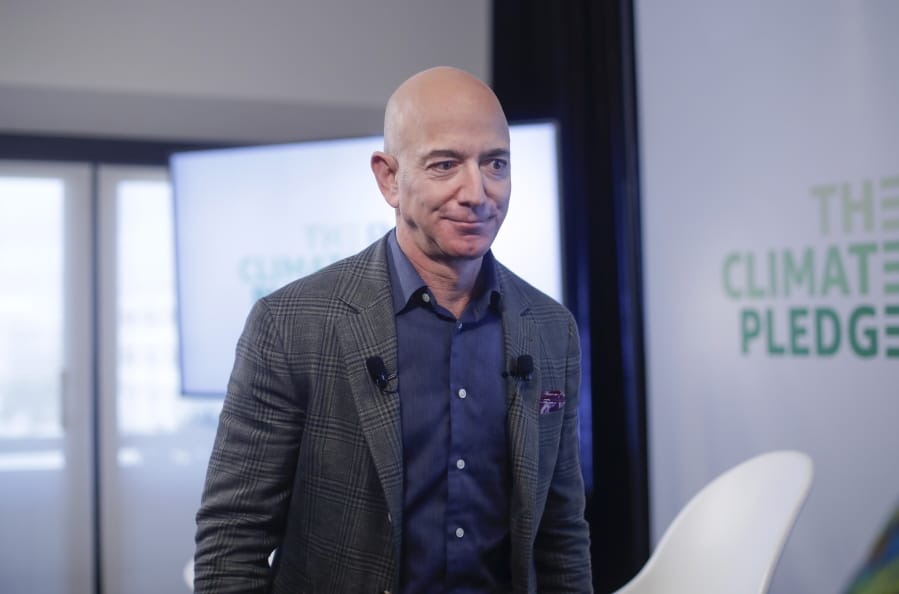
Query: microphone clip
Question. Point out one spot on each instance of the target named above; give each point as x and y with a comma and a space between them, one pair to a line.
377, 370
521, 369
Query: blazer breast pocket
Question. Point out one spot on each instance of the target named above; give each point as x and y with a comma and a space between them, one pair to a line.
551, 401
550, 414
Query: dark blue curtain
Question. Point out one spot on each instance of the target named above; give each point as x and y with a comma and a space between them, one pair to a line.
573, 62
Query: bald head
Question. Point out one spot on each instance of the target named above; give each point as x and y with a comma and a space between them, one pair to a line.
445, 169
432, 94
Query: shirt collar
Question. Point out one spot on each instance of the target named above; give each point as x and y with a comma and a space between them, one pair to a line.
407, 284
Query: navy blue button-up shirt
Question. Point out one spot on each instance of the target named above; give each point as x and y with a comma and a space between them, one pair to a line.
453, 408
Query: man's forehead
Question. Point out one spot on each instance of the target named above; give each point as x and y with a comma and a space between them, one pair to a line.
425, 153
456, 138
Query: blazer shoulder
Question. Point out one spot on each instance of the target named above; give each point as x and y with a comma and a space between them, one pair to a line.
522, 295
354, 279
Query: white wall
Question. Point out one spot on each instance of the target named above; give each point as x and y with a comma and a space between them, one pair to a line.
749, 111
223, 69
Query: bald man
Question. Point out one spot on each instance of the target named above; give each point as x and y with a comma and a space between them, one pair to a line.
405, 420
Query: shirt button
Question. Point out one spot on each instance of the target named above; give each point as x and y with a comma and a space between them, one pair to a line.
459, 533
425, 297
462, 393
460, 463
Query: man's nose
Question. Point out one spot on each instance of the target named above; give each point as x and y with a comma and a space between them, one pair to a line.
471, 190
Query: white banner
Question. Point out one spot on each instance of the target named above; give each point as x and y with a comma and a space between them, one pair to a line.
770, 162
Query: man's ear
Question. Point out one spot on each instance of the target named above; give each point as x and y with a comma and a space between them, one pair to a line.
384, 166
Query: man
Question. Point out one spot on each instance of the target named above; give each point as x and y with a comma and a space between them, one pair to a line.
406, 419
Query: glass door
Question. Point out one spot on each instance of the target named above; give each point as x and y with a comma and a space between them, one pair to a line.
46, 394
156, 441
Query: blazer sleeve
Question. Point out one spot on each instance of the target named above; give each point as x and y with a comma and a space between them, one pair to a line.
252, 465
562, 544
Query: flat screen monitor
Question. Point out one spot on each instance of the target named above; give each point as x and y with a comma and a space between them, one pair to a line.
250, 220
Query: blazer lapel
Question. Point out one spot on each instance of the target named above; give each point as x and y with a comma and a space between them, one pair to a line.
370, 331
521, 338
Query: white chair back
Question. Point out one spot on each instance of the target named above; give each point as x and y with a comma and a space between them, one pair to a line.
730, 535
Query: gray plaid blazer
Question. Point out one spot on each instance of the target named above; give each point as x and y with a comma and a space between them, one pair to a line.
308, 455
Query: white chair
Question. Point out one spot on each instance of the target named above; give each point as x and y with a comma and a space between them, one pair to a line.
729, 536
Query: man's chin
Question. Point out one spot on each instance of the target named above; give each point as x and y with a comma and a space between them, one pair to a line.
468, 250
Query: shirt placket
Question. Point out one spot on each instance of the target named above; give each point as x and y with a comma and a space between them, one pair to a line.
461, 531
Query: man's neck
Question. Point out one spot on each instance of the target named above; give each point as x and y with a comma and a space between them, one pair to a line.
453, 282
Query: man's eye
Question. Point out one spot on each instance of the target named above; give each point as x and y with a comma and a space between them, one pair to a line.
443, 165
498, 164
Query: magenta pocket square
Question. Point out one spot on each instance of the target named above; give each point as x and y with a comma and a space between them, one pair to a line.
551, 400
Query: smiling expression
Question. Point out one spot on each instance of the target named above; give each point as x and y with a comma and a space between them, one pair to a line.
446, 167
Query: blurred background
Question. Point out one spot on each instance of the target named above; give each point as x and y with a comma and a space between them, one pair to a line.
729, 230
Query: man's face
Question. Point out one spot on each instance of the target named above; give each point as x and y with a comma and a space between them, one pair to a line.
452, 179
